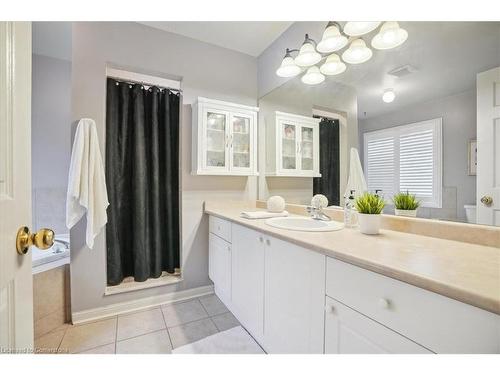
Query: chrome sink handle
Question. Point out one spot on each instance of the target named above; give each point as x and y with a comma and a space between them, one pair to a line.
317, 213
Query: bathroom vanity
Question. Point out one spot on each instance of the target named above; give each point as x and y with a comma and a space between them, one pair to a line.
345, 292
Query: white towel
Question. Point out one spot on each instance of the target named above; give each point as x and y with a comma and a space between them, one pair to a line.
86, 182
262, 214
356, 179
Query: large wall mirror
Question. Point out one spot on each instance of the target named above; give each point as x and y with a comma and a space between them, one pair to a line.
417, 116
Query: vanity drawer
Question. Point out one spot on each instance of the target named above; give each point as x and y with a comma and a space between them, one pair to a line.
440, 324
220, 227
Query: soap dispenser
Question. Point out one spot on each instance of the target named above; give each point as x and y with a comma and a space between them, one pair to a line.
348, 210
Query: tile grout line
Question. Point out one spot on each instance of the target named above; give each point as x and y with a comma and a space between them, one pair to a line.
166, 328
116, 333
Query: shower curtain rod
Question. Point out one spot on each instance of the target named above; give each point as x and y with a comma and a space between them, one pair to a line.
144, 83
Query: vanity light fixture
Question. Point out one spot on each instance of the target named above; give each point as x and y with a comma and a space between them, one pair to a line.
333, 65
389, 36
313, 76
357, 28
307, 54
357, 52
332, 39
335, 38
389, 96
288, 68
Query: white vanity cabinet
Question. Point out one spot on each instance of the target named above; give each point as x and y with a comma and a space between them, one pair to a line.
292, 145
294, 297
247, 302
224, 138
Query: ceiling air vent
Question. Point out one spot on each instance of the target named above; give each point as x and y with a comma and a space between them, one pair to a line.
402, 71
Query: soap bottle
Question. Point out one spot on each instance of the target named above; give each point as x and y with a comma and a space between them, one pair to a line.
348, 205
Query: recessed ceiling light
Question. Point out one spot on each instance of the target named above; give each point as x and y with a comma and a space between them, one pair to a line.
389, 96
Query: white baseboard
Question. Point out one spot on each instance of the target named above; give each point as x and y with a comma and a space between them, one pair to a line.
98, 313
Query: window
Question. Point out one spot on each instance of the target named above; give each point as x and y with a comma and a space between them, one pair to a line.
406, 158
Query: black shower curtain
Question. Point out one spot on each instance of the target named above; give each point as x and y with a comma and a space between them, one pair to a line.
329, 161
142, 177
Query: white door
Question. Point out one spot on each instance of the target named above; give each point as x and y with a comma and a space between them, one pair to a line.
294, 298
215, 150
349, 332
288, 147
219, 267
488, 147
16, 289
247, 287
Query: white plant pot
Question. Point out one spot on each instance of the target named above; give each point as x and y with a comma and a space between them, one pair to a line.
369, 223
408, 213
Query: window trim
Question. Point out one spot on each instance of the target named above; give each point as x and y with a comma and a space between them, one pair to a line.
437, 126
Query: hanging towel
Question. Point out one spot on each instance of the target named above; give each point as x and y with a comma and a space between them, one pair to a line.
86, 183
262, 214
356, 179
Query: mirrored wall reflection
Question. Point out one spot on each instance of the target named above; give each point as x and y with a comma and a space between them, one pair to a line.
413, 113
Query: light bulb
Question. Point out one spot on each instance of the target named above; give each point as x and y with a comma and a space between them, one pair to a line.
357, 52
333, 65
313, 76
288, 68
307, 54
332, 40
389, 96
389, 36
357, 28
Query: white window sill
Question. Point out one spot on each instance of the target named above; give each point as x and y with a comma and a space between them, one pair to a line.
130, 286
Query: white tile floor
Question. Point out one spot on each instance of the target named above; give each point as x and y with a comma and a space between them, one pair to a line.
157, 330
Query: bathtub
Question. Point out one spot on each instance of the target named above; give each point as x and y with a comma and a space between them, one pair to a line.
53, 257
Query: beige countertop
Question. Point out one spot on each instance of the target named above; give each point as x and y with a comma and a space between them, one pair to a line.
466, 272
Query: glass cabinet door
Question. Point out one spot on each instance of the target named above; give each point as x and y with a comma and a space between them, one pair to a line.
240, 141
288, 146
216, 124
306, 150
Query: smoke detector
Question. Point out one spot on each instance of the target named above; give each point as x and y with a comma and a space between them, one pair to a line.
403, 71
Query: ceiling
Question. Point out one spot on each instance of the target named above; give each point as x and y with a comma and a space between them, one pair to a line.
245, 36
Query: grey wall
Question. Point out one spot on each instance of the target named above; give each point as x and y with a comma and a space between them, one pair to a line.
459, 126
50, 146
206, 70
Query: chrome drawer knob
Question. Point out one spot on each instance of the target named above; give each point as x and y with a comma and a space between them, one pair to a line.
383, 303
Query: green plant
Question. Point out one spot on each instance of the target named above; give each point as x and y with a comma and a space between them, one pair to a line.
405, 201
369, 203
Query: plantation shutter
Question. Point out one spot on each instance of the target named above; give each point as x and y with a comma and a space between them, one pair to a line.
405, 158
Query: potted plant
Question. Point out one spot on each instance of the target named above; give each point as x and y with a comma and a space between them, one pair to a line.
405, 204
369, 207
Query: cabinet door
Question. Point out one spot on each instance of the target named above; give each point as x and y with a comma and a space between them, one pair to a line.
294, 299
215, 140
307, 150
288, 138
247, 302
349, 332
241, 143
219, 267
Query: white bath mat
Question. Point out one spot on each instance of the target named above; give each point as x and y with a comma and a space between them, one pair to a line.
233, 341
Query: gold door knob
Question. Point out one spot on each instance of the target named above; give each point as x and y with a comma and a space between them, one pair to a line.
487, 200
43, 239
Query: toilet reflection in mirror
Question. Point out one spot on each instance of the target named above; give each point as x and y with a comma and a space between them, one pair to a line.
416, 144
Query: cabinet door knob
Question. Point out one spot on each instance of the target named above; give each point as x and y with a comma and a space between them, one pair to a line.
268, 241
218, 227
383, 303
329, 309
261, 239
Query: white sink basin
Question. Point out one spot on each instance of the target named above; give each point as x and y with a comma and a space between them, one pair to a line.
304, 224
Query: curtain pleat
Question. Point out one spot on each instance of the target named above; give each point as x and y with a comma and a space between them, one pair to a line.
142, 176
329, 161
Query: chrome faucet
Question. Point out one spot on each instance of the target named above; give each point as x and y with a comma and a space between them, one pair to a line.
317, 213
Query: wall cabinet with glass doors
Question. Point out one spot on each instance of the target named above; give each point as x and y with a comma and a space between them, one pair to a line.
224, 138
292, 145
